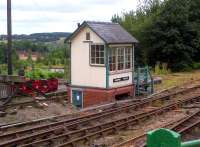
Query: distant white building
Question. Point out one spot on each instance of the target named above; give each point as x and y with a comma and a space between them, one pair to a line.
102, 63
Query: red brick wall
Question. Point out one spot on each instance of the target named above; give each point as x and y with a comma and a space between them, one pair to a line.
69, 94
94, 96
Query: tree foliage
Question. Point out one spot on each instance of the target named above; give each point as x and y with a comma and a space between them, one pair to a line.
168, 31
2, 52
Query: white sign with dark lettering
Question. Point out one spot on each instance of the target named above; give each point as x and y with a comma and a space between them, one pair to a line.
121, 79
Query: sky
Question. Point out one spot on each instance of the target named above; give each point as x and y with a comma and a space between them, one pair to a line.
34, 16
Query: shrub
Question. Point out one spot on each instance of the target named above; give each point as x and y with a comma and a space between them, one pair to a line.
43, 74
196, 65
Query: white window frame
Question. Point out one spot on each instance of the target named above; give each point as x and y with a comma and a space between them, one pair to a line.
95, 64
116, 71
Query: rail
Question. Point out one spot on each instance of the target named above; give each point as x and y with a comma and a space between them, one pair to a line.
168, 138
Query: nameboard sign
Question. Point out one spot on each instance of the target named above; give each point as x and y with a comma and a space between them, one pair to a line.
121, 79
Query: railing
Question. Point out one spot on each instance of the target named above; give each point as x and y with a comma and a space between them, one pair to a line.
168, 138
144, 81
6, 90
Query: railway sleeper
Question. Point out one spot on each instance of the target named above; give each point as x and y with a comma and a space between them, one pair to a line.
122, 127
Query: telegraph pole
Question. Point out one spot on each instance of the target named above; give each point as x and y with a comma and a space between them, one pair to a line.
9, 37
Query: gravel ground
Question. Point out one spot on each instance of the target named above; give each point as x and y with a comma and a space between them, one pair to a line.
38, 111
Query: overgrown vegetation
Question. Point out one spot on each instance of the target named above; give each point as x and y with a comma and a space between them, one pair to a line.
168, 31
52, 55
43, 74
161, 69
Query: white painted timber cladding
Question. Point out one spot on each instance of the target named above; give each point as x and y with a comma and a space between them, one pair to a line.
82, 74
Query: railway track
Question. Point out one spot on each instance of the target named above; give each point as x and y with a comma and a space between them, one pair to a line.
181, 126
166, 95
82, 129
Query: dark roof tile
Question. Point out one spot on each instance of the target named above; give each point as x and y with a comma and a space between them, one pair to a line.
110, 32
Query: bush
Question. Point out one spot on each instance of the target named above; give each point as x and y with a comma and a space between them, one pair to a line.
43, 74
196, 65
183, 66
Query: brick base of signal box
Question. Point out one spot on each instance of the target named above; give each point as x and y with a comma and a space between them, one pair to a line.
98, 96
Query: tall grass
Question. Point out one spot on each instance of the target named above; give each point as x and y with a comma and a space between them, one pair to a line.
161, 69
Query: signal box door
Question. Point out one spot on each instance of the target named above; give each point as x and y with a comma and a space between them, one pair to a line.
77, 98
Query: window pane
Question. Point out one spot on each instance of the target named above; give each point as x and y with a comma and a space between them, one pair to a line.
93, 61
102, 54
120, 52
93, 53
92, 47
97, 48
97, 61
112, 59
102, 48
97, 54
101, 60
127, 58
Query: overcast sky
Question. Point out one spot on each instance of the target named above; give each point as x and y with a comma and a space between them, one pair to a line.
32, 16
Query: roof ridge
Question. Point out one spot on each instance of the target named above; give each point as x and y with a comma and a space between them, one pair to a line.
102, 22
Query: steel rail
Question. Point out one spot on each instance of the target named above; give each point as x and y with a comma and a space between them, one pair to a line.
176, 127
93, 116
110, 125
85, 118
6, 127
130, 121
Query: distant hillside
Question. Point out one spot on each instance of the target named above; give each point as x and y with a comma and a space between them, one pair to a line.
39, 37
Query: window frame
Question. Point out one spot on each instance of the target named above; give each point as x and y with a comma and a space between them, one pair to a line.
87, 35
90, 55
116, 48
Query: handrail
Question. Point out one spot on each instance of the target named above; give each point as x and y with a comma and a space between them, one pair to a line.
194, 143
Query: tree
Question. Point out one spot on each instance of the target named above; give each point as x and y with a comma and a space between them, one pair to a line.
2, 52
172, 37
137, 23
168, 32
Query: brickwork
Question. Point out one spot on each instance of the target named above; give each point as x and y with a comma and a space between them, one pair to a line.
94, 96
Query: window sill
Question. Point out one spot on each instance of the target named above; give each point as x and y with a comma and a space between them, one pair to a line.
120, 71
97, 65
87, 41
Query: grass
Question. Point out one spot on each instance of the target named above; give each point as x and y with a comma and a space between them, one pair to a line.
176, 79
